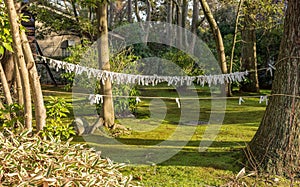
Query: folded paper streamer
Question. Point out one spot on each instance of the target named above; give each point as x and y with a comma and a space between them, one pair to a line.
241, 100
262, 99
145, 80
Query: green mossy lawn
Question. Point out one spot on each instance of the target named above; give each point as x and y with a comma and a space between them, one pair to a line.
216, 166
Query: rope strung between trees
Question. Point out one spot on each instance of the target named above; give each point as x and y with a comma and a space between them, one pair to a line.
145, 80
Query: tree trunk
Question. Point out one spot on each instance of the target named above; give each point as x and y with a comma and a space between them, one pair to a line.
136, 11
14, 26
184, 13
129, 11
194, 25
195, 17
276, 144
237, 18
106, 88
218, 38
40, 111
249, 60
5, 86
19, 84
179, 22
8, 67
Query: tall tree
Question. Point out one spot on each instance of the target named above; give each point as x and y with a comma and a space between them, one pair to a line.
129, 11
17, 45
217, 36
249, 58
276, 145
103, 52
25, 71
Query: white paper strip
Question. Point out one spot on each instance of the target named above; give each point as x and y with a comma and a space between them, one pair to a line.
241, 100
122, 78
178, 102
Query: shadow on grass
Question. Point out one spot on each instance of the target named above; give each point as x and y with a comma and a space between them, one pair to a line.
220, 155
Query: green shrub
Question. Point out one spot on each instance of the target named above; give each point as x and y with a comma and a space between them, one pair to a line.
14, 110
57, 109
31, 161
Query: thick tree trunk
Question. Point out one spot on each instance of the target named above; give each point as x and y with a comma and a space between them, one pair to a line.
249, 60
14, 26
106, 88
276, 145
218, 38
40, 111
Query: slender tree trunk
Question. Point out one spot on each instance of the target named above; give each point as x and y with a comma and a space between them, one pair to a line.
249, 59
111, 14
194, 25
14, 26
218, 38
169, 11
129, 11
136, 11
19, 84
184, 12
106, 88
40, 111
237, 17
179, 22
8, 67
276, 145
5, 87
195, 17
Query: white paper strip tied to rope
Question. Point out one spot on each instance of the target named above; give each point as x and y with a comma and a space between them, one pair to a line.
241, 100
262, 99
178, 102
138, 100
145, 80
95, 99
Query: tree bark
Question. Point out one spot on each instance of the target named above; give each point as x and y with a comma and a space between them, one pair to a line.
40, 111
276, 145
5, 86
103, 52
184, 13
195, 17
136, 11
14, 26
194, 25
129, 11
218, 38
8, 67
249, 59
19, 84
237, 18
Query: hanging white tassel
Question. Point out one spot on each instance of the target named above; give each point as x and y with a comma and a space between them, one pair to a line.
241, 100
138, 100
120, 78
271, 68
99, 99
262, 99
178, 102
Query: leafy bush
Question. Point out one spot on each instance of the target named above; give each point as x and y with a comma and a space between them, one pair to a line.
57, 108
31, 161
122, 61
14, 110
